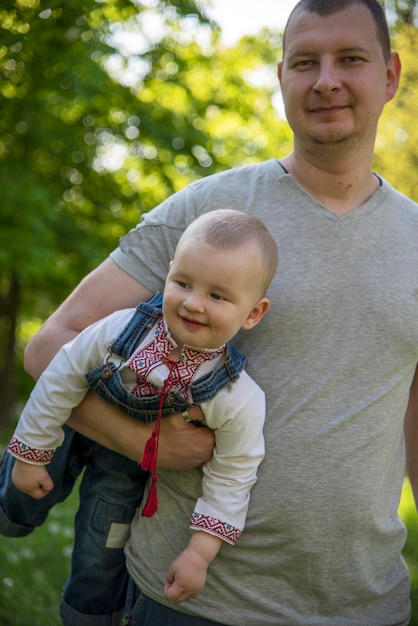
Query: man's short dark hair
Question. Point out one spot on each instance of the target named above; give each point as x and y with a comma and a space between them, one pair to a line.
328, 7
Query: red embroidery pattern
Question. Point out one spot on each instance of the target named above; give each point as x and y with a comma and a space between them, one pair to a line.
215, 526
181, 371
24, 452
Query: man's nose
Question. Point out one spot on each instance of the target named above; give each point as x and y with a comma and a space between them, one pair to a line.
327, 78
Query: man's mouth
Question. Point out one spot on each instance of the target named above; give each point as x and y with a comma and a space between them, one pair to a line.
327, 110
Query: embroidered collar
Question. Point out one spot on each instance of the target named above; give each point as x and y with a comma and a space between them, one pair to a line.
155, 353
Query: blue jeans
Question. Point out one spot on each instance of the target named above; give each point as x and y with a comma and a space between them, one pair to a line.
142, 611
95, 593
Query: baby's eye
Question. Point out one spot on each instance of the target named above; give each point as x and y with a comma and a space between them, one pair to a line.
216, 296
182, 284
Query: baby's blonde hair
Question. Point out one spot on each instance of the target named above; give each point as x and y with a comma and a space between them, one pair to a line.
227, 229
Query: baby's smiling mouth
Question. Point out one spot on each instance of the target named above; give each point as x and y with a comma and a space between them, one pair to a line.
193, 323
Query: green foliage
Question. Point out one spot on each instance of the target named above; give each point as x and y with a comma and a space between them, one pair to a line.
94, 134
60, 111
107, 108
402, 11
396, 156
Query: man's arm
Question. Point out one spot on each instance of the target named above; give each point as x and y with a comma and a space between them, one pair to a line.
182, 446
411, 437
106, 289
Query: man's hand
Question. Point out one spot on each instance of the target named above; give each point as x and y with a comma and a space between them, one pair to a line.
183, 445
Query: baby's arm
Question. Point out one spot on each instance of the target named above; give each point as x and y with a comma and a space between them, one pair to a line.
60, 388
186, 576
33, 480
237, 417
238, 420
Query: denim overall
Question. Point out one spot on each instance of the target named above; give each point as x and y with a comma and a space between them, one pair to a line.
112, 486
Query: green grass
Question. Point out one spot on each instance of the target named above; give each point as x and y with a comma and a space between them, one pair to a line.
33, 569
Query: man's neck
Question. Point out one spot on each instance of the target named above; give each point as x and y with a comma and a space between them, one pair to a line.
340, 186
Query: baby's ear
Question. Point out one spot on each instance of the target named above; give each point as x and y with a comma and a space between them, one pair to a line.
256, 314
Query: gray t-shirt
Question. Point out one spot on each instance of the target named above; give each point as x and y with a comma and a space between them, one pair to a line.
335, 355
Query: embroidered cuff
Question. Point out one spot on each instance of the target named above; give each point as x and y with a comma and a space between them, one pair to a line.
215, 526
30, 455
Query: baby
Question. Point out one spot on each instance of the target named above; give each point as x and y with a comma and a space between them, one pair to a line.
170, 353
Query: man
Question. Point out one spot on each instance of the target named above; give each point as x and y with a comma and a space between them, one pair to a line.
336, 355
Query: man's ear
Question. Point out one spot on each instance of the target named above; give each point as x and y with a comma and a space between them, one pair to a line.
279, 70
393, 72
256, 314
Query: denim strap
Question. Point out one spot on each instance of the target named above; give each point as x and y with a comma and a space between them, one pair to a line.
143, 319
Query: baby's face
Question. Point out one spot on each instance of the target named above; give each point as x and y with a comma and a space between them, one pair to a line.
210, 293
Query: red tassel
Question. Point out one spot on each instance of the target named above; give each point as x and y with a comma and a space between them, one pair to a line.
149, 457
151, 505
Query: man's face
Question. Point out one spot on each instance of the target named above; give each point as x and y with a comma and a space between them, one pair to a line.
334, 79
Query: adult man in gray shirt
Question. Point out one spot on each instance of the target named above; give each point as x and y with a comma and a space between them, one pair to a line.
336, 355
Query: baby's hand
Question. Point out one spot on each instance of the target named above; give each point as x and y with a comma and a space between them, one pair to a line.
33, 480
186, 577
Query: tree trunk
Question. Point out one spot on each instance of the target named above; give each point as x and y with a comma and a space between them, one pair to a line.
9, 303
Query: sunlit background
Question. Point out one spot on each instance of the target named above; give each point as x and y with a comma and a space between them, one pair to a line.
239, 17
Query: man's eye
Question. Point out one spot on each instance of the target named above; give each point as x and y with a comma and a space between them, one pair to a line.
352, 59
303, 64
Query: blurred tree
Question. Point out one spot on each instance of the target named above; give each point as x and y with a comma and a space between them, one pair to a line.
396, 156
402, 11
108, 107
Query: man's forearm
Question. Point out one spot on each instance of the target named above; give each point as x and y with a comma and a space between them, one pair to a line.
182, 446
103, 291
110, 427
